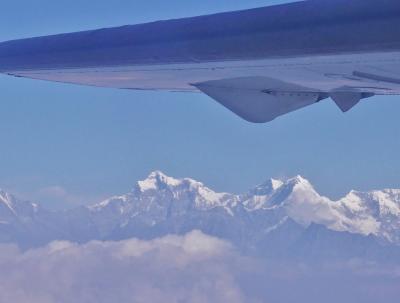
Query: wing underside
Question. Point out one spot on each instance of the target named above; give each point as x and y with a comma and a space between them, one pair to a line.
261, 99
256, 99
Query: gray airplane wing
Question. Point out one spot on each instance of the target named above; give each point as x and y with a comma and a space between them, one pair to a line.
259, 63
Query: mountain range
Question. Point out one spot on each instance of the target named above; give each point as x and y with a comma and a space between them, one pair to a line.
278, 218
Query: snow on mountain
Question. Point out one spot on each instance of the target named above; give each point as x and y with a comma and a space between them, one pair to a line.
24, 222
159, 198
12, 209
202, 197
274, 218
6, 200
260, 195
165, 189
304, 205
375, 212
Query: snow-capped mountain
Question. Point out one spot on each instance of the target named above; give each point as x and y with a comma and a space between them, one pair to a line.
15, 212
275, 218
159, 197
24, 222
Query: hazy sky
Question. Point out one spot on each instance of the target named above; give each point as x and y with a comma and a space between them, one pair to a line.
80, 143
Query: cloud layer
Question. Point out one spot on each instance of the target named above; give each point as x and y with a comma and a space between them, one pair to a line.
194, 268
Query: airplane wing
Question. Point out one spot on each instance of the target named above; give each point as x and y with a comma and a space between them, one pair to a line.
259, 63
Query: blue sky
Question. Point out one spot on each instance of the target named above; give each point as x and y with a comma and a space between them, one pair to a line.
74, 143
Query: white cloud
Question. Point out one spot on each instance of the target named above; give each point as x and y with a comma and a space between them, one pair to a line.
193, 268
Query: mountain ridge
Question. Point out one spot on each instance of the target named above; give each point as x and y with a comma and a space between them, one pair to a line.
271, 217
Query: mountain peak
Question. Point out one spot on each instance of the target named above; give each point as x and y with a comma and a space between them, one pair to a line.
299, 180
157, 180
157, 174
15, 205
6, 198
299, 183
275, 183
266, 188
